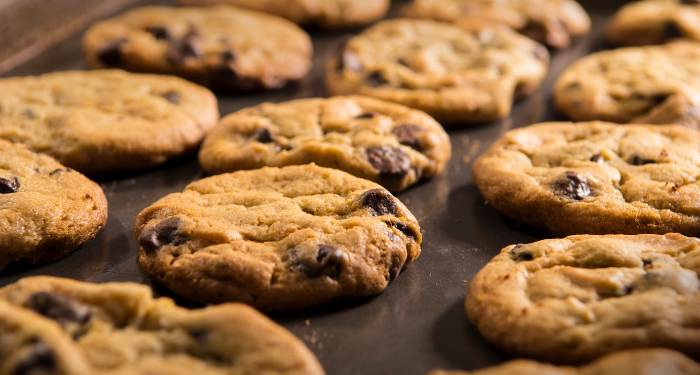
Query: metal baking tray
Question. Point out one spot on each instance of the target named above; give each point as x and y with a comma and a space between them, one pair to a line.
418, 323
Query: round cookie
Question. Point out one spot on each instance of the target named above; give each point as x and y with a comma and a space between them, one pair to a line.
106, 121
653, 85
571, 300
654, 22
326, 14
225, 48
551, 22
467, 72
595, 178
277, 238
59, 326
383, 142
46, 209
629, 362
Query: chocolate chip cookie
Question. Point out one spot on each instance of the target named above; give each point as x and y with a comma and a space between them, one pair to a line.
106, 121
551, 22
326, 14
595, 178
383, 142
225, 48
46, 209
629, 362
652, 85
467, 72
277, 238
571, 300
51, 325
654, 22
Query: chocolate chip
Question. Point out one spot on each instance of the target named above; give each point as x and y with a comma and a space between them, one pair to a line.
39, 357
59, 170
638, 160
328, 261
366, 115
598, 159
184, 48
28, 113
403, 62
672, 30
200, 335
573, 85
627, 290
224, 79
58, 307
379, 202
573, 185
404, 228
263, 135
227, 56
9, 186
160, 32
161, 234
391, 162
541, 53
406, 135
172, 96
525, 255
375, 79
111, 54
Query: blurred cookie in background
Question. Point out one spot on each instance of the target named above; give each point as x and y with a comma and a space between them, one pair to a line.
654, 22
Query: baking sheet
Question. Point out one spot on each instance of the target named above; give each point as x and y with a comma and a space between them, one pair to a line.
418, 323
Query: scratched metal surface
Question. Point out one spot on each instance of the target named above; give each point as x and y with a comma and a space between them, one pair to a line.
418, 323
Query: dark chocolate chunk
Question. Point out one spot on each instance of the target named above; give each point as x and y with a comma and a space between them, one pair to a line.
525, 255
224, 80
379, 202
263, 135
391, 163
111, 54
28, 113
672, 30
573, 185
184, 48
60, 308
328, 261
406, 135
160, 32
404, 228
39, 357
375, 79
366, 115
598, 159
172, 97
161, 234
9, 186
638, 160
227, 56
627, 290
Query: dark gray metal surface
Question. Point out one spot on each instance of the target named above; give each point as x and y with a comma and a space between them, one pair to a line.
418, 323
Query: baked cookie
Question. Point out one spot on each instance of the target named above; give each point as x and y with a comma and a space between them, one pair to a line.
383, 142
225, 48
51, 325
629, 362
652, 85
595, 178
325, 14
572, 300
466, 72
654, 22
106, 121
46, 209
277, 238
551, 22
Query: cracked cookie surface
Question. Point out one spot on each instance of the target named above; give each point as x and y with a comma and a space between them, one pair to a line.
652, 85
628, 362
106, 121
57, 326
46, 209
655, 22
277, 238
325, 14
575, 299
383, 142
467, 72
595, 178
225, 48
551, 22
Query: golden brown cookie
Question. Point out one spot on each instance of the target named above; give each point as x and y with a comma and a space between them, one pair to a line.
655, 21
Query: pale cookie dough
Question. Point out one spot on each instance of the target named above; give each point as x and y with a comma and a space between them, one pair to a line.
277, 238
654, 22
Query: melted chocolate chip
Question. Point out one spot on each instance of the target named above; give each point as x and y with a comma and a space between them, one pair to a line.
391, 163
59, 170
328, 261
58, 307
525, 255
227, 56
39, 357
375, 79
263, 135
224, 79
160, 32
9, 186
172, 97
403, 227
366, 115
638, 160
200, 335
184, 48
379, 202
573, 85
672, 30
406, 135
111, 54
403, 62
574, 186
161, 234
598, 159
